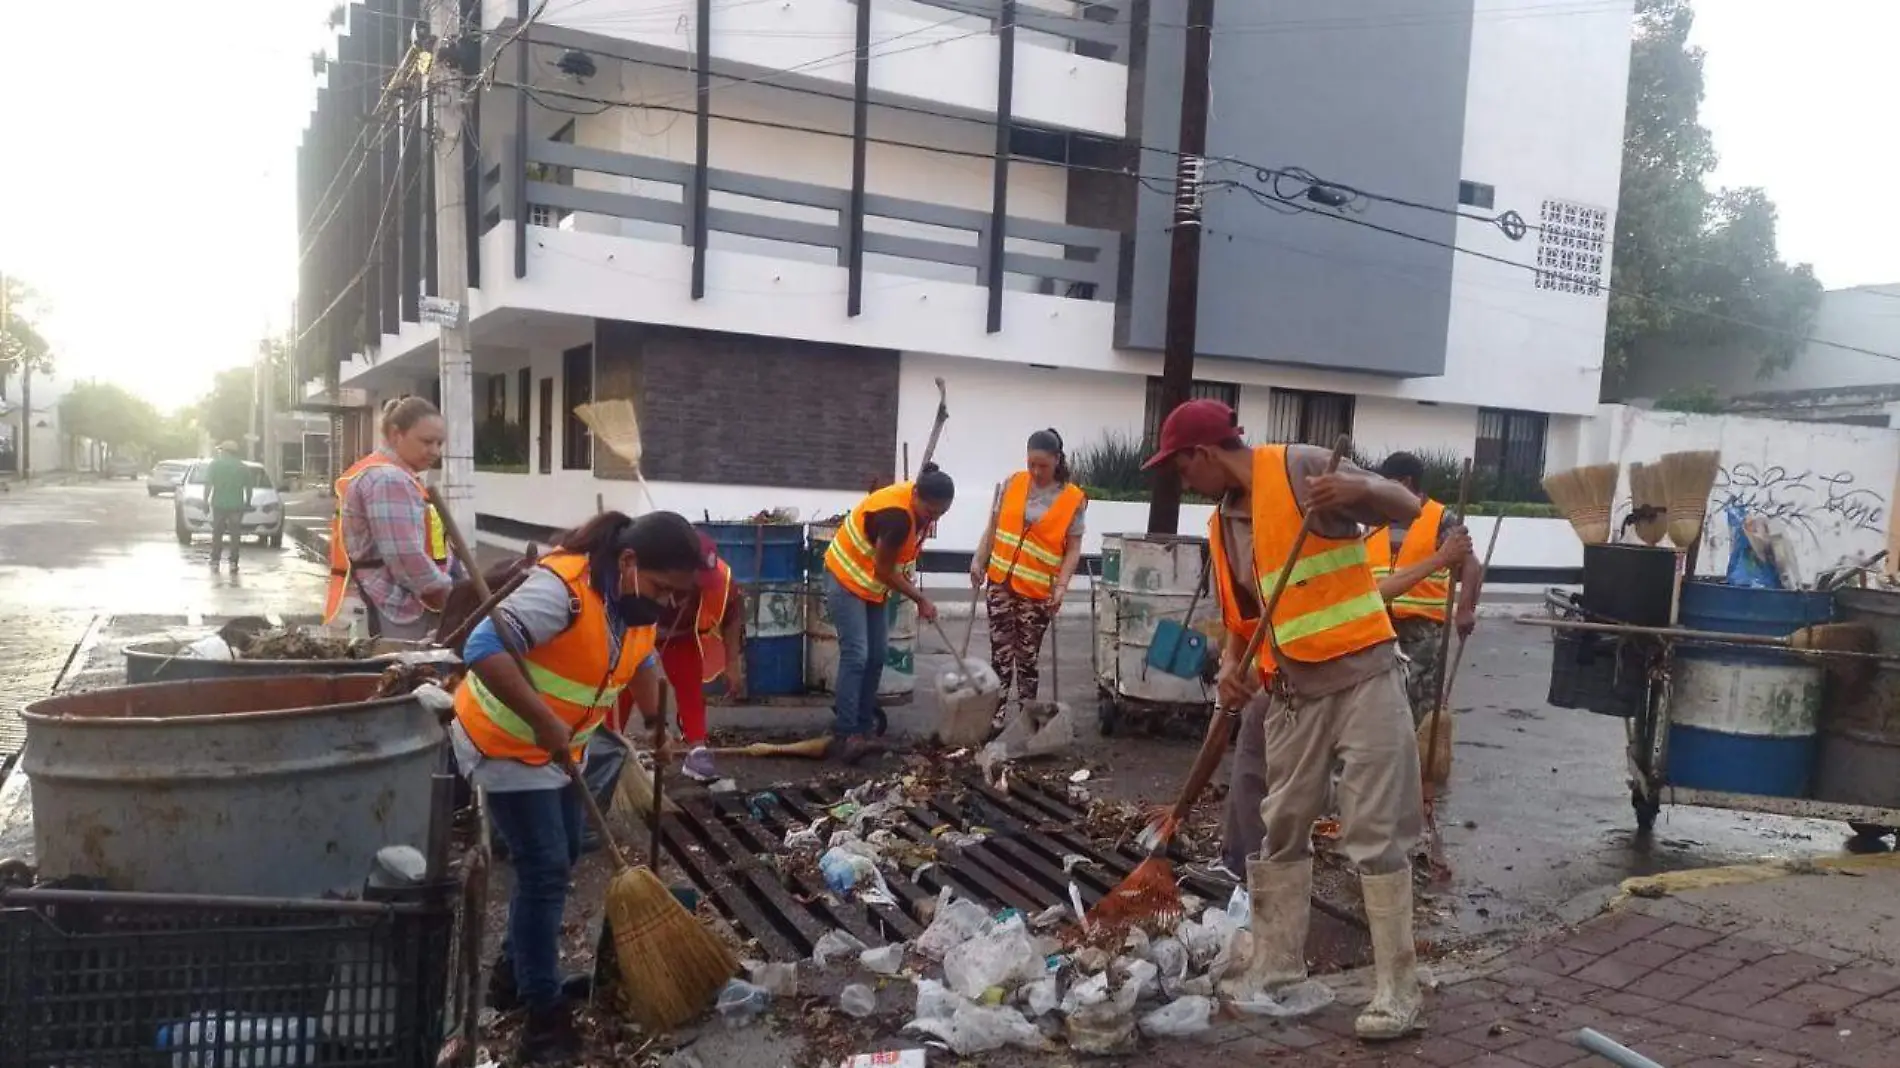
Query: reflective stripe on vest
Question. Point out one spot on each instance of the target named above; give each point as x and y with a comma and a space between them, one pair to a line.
340, 564
1029, 556
852, 559
1237, 625
574, 672
1331, 606
1426, 598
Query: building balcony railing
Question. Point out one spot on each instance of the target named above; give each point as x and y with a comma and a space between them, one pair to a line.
1097, 29
553, 183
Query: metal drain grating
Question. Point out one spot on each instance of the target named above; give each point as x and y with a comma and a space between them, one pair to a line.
732, 847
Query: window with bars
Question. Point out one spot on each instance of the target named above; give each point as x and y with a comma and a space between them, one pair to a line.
1307, 417
577, 388
1510, 454
1225, 392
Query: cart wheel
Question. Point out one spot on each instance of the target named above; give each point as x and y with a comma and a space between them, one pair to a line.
1106, 713
1645, 812
880, 722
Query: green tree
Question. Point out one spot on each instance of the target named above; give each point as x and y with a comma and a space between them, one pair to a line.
225, 412
1680, 251
20, 342
106, 412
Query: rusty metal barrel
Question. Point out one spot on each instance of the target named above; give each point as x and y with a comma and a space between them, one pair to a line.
1859, 761
274, 787
165, 660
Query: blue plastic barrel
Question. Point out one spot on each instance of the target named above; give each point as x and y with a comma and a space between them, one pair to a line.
768, 559
1745, 720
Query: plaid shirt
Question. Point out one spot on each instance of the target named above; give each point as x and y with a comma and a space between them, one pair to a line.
384, 519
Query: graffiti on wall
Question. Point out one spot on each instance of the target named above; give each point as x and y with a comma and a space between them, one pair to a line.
1807, 502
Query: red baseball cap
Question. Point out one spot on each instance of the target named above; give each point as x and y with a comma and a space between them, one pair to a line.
709, 563
1195, 424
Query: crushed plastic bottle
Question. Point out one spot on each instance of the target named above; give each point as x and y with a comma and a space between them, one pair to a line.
857, 1000
740, 1002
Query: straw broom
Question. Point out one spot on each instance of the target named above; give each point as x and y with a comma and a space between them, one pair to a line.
671, 967
1149, 892
1649, 502
616, 425
1687, 479
1584, 495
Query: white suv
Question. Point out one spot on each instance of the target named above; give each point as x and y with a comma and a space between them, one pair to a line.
264, 520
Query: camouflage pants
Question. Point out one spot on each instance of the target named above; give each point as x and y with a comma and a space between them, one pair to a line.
1421, 640
1017, 625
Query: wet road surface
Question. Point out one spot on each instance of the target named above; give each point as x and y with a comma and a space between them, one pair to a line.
1537, 818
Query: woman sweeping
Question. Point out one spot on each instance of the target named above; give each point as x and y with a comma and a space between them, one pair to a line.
869, 558
583, 625
387, 548
1027, 559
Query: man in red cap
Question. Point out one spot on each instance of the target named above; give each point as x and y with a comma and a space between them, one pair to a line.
1337, 698
704, 639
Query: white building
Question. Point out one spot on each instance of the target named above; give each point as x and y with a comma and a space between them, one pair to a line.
50, 449
769, 370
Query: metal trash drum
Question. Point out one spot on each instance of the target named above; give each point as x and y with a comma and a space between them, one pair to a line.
1859, 758
278, 787
899, 681
1146, 578
1745, 720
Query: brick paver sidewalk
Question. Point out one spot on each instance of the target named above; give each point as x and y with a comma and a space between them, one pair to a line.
1684, 996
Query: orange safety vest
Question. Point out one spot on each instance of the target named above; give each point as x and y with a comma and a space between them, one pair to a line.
852, 559
1426, 599
1237, 625
708, 626
340, 563
1029, 556
1331, 607
574, 673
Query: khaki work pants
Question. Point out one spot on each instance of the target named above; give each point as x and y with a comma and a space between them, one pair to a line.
1365, 731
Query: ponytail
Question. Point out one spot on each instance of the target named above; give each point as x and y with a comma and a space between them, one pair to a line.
934, 485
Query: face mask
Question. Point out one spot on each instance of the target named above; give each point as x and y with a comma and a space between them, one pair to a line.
640, 611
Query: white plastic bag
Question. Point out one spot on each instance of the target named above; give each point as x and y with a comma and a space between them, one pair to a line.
209, 647
1289, 1002
1178, 1018
884, 960
957, 921
981, 1029
935, 1001
1042, 996
1003, 957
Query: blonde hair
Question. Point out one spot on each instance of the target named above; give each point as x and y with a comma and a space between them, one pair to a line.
401, 414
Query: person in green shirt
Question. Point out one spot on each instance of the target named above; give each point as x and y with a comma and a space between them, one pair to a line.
228, 492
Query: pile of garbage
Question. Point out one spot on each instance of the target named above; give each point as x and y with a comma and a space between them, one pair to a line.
982, 981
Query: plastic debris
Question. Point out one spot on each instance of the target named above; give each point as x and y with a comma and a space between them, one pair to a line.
724, 786
810, 838
1002, 956
1079, 775
857, 1000
833, 945
846, 870
884, 960
1048, 917
957, 921
209, 647
1090, 960
895, 1058
935, 1001
1136, 973
1042, 996
779, 980
1106, 1026
1170, 958
741, 1002
981, 1029
1179, 1018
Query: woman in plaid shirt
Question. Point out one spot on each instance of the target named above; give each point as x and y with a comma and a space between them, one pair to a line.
385, 527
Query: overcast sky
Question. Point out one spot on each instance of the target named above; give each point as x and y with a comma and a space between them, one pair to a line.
147, 180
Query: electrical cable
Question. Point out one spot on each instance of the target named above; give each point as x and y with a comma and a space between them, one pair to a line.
371, 260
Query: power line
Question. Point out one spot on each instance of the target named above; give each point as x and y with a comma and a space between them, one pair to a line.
371, 259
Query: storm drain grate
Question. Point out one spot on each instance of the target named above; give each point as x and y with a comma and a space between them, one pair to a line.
732, 847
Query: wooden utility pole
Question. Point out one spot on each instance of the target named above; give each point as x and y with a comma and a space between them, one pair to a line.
455, 485
1184, 261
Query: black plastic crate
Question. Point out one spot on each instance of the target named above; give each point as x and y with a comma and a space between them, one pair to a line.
1597, 673
102, 980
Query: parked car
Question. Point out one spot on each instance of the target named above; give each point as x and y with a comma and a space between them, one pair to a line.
165, 475
121, 467
264, 520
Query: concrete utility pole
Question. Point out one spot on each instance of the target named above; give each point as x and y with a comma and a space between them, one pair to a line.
1184, 260
23, 450
456, 482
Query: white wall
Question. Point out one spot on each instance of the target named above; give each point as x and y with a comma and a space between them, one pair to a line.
923, 53
1830, 487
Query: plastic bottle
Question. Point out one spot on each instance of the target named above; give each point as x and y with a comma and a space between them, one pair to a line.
231, 1040
740, 1002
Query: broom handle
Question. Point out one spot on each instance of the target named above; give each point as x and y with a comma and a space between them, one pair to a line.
976, 592
493, 601
659, 774
1709, 636
1447, 670
1452, 679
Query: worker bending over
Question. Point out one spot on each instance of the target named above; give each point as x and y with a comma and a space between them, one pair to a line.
1337, 698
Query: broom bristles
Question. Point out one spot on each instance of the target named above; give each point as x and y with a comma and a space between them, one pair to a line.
1148, 896
1648, 495
671, 967
1687, 479
1434, 747
1585, 496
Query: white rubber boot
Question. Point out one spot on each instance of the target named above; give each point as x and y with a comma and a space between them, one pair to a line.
1397, 1007
1282, 909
